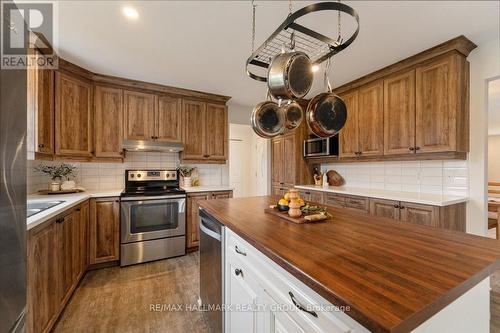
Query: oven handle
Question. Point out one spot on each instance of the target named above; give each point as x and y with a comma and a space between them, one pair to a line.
209, 232
148, 198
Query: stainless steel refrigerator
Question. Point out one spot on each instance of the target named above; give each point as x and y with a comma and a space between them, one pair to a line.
12, 200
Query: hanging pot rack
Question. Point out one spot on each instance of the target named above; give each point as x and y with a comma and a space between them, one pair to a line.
316, 45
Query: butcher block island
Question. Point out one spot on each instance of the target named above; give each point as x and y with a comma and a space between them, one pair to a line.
352, 273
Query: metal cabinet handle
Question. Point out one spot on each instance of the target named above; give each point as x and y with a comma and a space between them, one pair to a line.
239, 251
238, 271
78, 209
300, 307
401, 207
417, 148
396, 206
60, 220
411, 148
41, 145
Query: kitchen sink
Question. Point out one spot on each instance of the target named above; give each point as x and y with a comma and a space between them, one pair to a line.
37, 207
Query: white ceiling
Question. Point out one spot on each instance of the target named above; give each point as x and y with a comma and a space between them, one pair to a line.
203, 45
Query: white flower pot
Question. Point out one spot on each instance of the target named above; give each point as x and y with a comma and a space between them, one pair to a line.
68, 185
187, 181
54, 186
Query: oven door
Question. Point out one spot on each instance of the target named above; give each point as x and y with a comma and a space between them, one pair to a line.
147, 218
316, 147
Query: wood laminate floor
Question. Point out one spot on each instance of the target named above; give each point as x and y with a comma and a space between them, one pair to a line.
119, 299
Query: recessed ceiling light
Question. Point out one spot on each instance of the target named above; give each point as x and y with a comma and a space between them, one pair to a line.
315, 68
130, 13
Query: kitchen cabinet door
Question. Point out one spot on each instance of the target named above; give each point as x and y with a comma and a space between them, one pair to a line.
73, 116
40, 103
81, 239
108, 122
334, 200
42, 278
360, 204
279, 321
68, 254
168, 119
288, 160
242, 290
348, 137
139, 109
193, 218
277, 190
399, 114
222, 195
420, 214
194, 127
104, 230
371, 119
216, 132
436, 105
384, 208
278, 163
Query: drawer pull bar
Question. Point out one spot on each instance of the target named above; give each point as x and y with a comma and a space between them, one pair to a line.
239, 251
300, 307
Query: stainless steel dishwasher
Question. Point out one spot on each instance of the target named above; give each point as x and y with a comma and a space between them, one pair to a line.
212, 271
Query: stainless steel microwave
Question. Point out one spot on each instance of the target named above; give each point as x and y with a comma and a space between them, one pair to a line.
321, 147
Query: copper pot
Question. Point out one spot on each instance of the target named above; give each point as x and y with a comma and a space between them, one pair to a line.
326, 114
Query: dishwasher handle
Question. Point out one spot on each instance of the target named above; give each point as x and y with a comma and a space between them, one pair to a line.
208, 231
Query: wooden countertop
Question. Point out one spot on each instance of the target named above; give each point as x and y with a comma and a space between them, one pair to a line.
394, 276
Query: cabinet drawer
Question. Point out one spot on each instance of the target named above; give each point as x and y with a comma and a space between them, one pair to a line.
335, 200
282, 286
358, 203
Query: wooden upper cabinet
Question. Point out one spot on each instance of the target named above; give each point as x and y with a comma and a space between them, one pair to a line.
73, 116
40, 103
194, 130
104, 230
438, 93
168, 119
348, 137
139, 109
216, 132
108, 121
371, 119
399, 113
278, 151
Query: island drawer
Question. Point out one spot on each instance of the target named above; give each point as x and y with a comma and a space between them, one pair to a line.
285, 289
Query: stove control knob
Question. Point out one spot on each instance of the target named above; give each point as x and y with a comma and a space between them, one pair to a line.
132, 175
168, 175
138, 175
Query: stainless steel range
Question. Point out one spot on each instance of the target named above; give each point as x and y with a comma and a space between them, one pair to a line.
153, 216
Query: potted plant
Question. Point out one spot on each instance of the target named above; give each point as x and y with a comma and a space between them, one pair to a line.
186, 172
57, 173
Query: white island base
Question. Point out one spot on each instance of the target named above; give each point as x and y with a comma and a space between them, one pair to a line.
260, 295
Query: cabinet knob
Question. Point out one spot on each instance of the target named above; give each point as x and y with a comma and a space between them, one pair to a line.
206, 156
78, 209
396, 206
152, 137
401, 207
411, 149
41, 145
238, 271
417, 148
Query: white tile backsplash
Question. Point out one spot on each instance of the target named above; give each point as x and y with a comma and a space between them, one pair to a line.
437, 177
108, 176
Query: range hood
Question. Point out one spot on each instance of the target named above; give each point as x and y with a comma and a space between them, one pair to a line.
162, 146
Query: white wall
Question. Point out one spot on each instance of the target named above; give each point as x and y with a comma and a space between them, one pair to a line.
248, 162
436, 177
484, 64
111, 176
494, 158
239, 114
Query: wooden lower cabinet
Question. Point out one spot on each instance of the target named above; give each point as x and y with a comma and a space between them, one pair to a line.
104, 230
193, 215
42, 278
385, 208
450, 217
311, 196
56, 261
